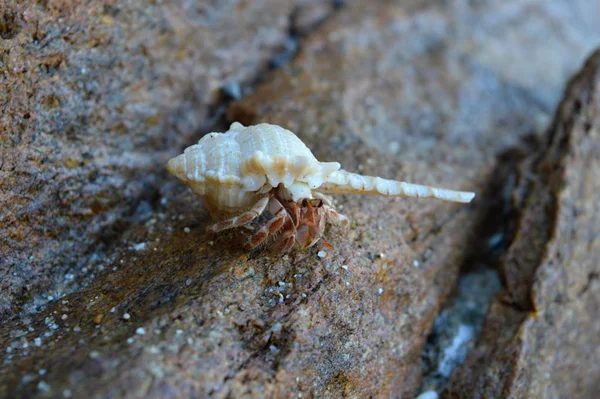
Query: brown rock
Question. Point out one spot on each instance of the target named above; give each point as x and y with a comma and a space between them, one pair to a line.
96, 96
422, 91
542, 337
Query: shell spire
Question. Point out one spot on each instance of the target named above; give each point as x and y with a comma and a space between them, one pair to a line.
344, 182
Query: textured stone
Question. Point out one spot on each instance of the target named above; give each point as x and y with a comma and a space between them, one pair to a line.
542, 336
424, 91
96, 96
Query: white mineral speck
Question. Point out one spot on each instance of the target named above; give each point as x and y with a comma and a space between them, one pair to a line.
37, 341
380, 291
321, 254
44, 387
130, 340
178, 332
76, 328
188, 282
416, 264
273, 349
457, 351
64, 317
345, 267
42, 371
94, 354
281, 284
186, 230
9, 349
140, 331
127, 316
112, 310
67, 393
139, 247
428, 395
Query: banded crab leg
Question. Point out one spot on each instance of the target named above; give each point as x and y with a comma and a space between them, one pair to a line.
344, 182
288, 237
242, 219
272, 226
332, 215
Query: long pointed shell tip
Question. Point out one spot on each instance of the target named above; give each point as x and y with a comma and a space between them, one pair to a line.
468, 196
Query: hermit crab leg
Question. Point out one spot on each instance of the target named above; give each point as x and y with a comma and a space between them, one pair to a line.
272, 226
344, 182
332, 215
288, 237
242, 219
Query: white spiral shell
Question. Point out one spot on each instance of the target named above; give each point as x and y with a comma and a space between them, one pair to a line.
234, 170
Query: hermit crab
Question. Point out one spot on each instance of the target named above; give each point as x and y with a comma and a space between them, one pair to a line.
265, 178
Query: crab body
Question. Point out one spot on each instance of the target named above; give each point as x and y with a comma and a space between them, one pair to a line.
248, 171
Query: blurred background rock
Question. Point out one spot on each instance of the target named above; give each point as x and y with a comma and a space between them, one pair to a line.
109, 287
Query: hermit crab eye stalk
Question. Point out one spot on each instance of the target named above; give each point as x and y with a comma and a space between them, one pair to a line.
250, 169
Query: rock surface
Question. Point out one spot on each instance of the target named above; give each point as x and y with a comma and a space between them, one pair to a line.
144, 305
542, 335
96, 96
